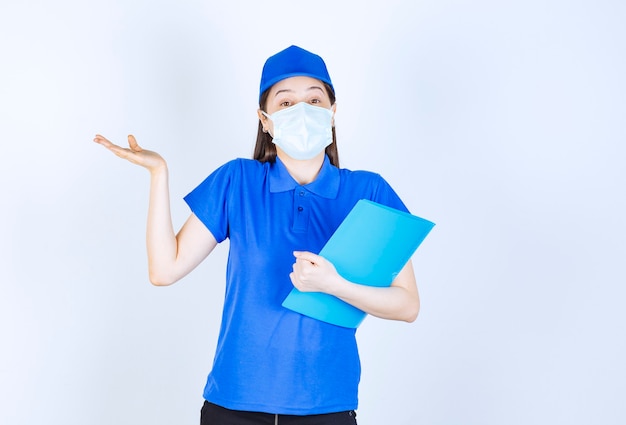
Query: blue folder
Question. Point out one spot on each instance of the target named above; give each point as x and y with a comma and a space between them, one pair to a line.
370, 247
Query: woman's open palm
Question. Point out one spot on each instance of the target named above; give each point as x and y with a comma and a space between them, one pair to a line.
134, 153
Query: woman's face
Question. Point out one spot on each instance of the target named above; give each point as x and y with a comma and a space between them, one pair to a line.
294, 90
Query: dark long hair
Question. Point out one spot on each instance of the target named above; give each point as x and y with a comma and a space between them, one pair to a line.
265, 150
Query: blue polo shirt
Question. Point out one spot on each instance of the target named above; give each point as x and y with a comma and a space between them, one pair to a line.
268, 358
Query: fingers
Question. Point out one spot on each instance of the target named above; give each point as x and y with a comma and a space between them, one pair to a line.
307, 256
102, 140
307, 276
118, 150
132, 143
306, 263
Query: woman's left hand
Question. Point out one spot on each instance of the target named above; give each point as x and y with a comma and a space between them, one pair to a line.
312, 273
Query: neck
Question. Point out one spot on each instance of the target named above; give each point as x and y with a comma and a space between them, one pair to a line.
303, 171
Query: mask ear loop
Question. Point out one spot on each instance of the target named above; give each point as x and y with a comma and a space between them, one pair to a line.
266, 115
332, 119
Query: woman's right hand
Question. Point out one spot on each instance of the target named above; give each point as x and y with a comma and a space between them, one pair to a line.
150, 160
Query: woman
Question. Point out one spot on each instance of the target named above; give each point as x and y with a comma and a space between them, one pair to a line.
273, 365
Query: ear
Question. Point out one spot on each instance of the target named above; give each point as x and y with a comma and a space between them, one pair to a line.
334, 109
263, 120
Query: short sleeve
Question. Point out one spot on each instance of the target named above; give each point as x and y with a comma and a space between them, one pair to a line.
385, 195
209, 200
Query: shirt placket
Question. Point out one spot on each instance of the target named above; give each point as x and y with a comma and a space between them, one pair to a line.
302, 209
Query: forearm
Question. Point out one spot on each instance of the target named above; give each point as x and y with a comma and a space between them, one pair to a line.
393, 302
400, 301
160, 237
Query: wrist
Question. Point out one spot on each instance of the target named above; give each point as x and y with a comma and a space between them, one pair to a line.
158, 170
339, 286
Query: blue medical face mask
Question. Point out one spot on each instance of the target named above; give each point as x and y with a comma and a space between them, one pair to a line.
302, 131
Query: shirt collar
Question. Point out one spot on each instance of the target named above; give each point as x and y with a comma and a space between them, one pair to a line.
326, 184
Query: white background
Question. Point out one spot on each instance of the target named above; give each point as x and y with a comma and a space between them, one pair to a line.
502, 121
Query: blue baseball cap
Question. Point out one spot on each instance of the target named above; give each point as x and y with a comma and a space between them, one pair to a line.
292, 62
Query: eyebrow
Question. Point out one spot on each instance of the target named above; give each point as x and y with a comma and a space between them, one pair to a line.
291, 91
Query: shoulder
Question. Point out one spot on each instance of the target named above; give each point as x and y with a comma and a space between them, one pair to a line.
243, 164
370, 185
361, 177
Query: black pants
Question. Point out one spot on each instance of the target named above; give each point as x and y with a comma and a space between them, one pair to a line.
212, 414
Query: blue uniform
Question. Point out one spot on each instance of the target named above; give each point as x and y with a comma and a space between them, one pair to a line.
268, 358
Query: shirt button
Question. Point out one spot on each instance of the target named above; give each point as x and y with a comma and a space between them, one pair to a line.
300, 209
302, 193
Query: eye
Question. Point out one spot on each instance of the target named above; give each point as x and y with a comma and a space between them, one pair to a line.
283, 101
315, 101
